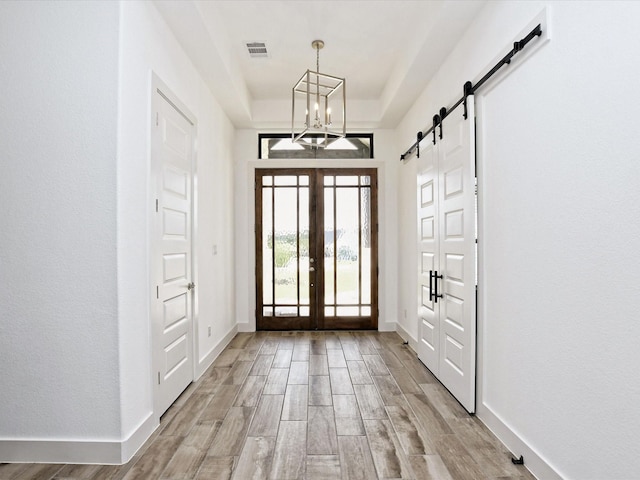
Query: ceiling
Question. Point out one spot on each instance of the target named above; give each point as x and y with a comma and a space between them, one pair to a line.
386, 50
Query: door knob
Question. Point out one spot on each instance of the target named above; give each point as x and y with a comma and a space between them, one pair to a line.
191, 286
312, 269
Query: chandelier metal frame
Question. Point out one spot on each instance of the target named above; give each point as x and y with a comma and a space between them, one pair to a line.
316, 89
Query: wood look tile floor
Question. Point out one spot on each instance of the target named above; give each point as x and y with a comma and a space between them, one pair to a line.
309, 405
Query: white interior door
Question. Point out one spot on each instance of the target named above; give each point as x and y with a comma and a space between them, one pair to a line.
429, 255
457, 255
447, 249
172, 291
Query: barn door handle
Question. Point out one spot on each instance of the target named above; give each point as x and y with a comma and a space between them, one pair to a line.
431, 285
436, 294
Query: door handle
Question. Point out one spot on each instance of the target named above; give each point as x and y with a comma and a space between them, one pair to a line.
436, 294
191, 286
431, 285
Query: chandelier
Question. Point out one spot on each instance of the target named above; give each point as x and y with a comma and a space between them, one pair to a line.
318, 110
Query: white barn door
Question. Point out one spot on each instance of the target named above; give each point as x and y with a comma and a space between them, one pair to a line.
458, 256
172, 141
448, 323
429, 254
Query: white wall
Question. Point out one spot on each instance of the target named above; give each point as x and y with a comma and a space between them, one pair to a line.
246, 154
559, 231
58, 114
58, 124
148, 45
75, 333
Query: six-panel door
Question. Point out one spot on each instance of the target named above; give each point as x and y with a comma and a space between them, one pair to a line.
172, 144
446, 246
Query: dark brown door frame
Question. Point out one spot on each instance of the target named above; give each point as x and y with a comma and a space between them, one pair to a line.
317, 318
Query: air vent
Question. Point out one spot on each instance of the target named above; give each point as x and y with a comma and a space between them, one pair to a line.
257, 50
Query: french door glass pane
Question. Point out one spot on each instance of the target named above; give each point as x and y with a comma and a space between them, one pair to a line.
303, 239
365, 242
329, 242
267, 247
286, 180
347, 247
346, 180
348, 311
285, 246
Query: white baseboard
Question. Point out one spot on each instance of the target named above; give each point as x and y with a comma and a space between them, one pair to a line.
206, 361
77, 451
534, 462
516, 445
60, 451
413, 343
96, 452
246, 327
387, 326
140, 435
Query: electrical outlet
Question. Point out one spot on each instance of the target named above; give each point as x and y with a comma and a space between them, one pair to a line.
209, 331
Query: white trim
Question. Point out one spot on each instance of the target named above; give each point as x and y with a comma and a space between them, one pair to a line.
60, 451
246, 327
407, 337
534, 462
77, 451
386, 326
210, 356
139, 436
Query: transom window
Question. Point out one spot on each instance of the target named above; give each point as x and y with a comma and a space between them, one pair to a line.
279, 145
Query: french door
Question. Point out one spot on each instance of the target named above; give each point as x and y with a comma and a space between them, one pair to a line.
316, 249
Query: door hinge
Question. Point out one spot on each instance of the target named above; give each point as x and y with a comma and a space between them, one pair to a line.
157, 291
158, 378
157, 119
157, 205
